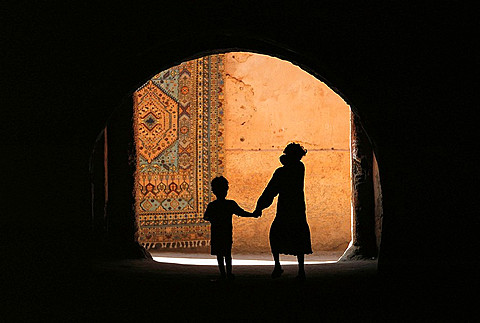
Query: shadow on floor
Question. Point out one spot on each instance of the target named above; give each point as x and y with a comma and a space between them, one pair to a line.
144, 290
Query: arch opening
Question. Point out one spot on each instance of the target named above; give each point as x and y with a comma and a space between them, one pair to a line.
264, 103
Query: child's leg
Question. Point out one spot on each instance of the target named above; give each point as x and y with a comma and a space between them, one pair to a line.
221, 265
228, 262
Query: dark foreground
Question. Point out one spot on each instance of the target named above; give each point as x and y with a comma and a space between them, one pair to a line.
142, 290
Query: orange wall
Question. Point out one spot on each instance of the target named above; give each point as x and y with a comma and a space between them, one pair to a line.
269, 103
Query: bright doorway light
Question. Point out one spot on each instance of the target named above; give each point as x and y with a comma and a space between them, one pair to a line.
235, 262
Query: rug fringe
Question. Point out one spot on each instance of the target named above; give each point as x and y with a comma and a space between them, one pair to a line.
176, 244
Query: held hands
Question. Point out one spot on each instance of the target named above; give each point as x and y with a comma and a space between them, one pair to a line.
257, 213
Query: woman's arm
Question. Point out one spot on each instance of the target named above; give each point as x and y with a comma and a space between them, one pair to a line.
272, 190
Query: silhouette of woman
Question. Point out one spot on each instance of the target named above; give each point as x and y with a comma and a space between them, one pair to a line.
289, 233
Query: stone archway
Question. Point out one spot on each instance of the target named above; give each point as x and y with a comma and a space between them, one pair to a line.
145, 118
367, 208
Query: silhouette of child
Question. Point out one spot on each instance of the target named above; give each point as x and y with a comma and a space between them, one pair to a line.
219, 213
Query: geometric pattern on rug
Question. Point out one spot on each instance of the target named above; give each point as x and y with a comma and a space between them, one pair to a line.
178, 127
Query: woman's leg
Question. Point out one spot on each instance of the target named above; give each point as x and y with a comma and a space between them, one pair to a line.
277, 271
301, 266
276, 258
221, 265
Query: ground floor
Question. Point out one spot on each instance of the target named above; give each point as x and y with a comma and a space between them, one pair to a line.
146, 290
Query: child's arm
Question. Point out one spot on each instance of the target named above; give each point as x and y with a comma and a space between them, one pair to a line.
241, 212
207, 216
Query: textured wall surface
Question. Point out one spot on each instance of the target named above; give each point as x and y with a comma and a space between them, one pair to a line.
268, 103
377, 187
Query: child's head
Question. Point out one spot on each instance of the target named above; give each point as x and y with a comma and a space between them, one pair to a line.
220, 186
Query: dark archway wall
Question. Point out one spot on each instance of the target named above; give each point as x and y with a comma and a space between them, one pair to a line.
68, 66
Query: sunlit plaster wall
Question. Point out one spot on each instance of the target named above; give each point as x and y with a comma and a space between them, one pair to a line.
268, 103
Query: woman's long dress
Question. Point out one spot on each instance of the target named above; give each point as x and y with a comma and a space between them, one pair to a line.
289, 233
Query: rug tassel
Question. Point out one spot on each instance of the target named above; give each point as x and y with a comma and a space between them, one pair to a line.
176, 244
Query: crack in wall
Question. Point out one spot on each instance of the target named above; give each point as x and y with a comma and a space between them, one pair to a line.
242, 83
